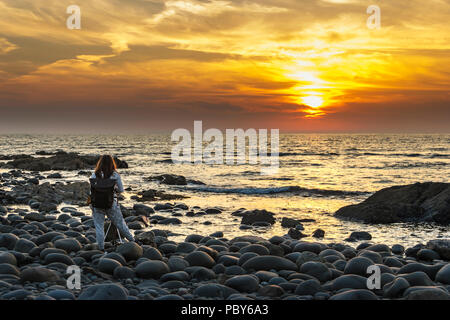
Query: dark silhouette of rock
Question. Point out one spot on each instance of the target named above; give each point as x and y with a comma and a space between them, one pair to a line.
428, 202
250, 217
59, 161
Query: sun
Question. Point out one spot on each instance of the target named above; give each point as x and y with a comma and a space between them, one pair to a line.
313, 101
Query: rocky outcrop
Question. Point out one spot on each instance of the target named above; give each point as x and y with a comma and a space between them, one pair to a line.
424, 202
155, 195
59, 161
257, 216
45, 196
174, 180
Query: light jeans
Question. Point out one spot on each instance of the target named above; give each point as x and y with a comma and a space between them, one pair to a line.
117, 219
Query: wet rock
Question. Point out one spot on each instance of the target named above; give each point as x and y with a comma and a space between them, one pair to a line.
177, 275
361, 294
441, 246
24, 245
271, 291
121, 272
58, 257
35, 216
203, 274
268, 263
397, 249
349, 281
54, 176
358, 265
68, 245
6, 268
243, 283
418, 278
427, 255
169, 179
59, 161
200, 258
316, 269
6, 257
213, 211
214, 291
39, 274
130, 251
289, 222
360, 235
319, 233
107, 265
195, 238
251, 217
308, 287
143, 209
417, 202
19, 294
170, 221
152, 269
256, 248
296, 234
426, 293
308, 246
146, 238
104, 292
443, 275
395, 288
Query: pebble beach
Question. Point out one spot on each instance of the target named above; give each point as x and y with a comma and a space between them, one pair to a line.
40, 240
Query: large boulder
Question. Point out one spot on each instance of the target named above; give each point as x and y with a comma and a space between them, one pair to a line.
417, 202
441, 246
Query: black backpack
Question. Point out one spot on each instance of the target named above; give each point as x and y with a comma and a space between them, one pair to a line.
102, 192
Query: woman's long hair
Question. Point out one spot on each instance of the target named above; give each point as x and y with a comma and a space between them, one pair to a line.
105, 165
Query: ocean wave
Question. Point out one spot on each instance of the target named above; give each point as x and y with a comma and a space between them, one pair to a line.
276, 190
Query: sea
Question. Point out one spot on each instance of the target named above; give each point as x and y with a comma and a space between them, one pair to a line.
318, 174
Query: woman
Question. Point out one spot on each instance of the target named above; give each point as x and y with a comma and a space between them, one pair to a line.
106, 168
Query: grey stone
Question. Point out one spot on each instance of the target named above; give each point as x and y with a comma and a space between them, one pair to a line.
200, 258
24, 245
124, 273
68, 245
130, 251
108, 265
443, 275
360, 294
243, 283
316, 269
308, 287
39, 274
152, 269
358, 265
268, 263
395, 288
104, 292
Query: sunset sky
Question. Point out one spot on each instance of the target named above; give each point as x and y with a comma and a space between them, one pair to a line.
296, 65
